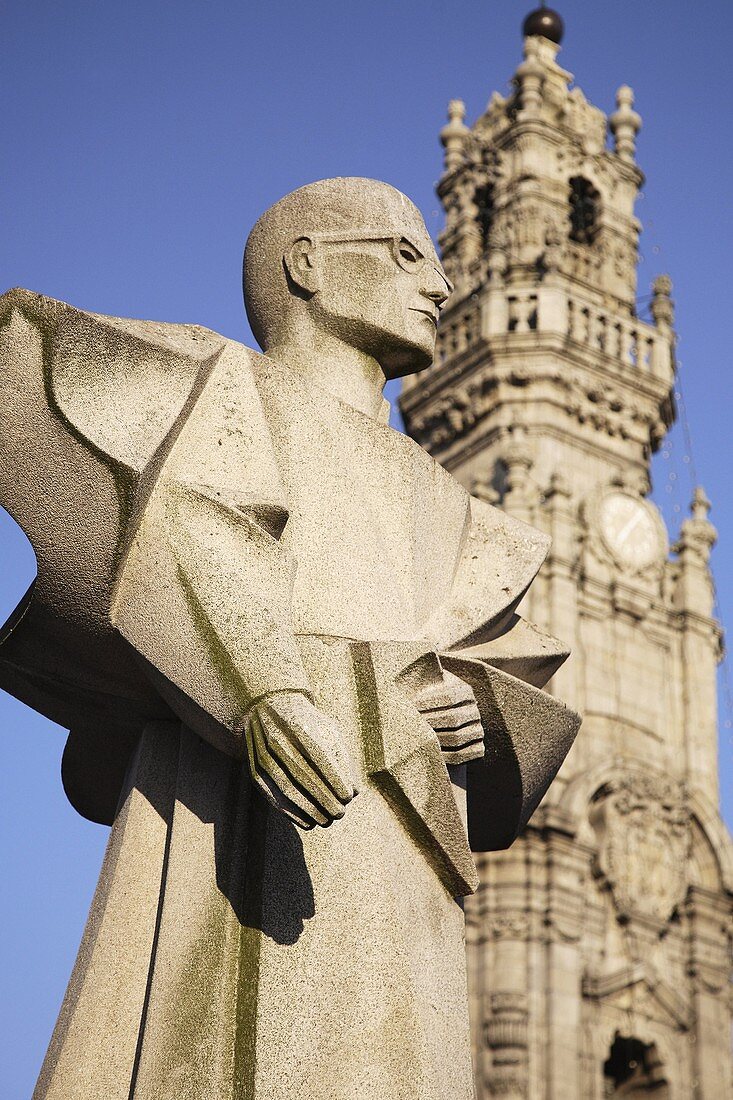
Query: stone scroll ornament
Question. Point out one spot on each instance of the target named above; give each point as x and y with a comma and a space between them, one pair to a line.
284, 642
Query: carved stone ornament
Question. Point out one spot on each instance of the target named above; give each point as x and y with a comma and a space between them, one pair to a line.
283, 639
454, 414
643, 828
508, 926
506, 1038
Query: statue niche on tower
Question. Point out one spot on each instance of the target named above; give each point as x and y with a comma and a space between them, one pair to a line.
285, 643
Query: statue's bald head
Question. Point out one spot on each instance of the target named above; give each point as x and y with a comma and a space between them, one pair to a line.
347, 205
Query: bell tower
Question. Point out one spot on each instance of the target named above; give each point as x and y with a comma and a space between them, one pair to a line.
599, 944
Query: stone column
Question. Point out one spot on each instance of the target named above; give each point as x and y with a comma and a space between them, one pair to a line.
552, 297
494, 304
709, 915
662, 309
566, 874
522, 494
502, 1067
701, 646
562, 584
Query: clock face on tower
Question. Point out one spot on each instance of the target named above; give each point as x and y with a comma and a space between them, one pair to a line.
631, 530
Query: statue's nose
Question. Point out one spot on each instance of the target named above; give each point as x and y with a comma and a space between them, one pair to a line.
437, 287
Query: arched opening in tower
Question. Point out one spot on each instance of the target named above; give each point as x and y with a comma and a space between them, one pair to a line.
484, 200
634, 1070
585, 209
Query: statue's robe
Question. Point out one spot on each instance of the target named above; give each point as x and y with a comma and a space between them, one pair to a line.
237, 532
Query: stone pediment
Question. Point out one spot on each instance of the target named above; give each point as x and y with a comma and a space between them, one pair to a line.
637, 988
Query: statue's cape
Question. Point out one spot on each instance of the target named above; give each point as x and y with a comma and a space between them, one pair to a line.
139, 459
87, 404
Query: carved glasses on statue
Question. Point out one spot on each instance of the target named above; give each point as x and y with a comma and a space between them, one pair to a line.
405, 252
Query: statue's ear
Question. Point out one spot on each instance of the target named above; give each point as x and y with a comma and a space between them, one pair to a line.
300, 265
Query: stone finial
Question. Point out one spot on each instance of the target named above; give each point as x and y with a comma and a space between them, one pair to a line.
697, 534
453, 136
662, 285
625, 124
662, 306
528, 78
701, 505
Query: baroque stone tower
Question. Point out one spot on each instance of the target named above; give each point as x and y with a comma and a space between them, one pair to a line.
599, 944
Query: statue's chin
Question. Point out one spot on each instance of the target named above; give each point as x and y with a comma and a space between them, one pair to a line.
407, 360
402, 357
399, 351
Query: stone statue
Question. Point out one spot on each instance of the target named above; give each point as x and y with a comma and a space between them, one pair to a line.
280, 635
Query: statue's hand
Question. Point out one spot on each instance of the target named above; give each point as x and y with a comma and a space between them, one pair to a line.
298, 759
450, 708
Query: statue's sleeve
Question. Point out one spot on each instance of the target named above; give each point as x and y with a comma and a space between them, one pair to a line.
205, 592
135, 456
507, 661
498, 561
88, 404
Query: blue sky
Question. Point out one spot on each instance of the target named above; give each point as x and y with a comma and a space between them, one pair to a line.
140, 141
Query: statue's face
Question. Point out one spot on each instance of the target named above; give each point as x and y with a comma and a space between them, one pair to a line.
382, 292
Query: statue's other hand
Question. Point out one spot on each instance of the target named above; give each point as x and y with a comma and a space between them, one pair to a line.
450, 708
299, 759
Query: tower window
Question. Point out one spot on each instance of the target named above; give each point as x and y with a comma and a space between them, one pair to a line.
633, 1070
585, 203
484, 200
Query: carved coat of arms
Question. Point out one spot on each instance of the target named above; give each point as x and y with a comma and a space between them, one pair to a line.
642, 823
